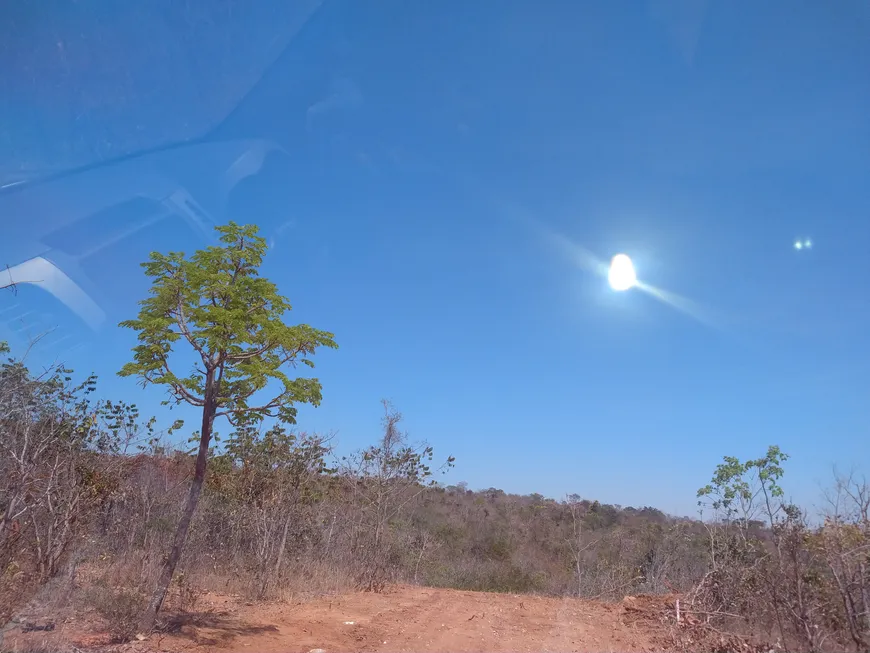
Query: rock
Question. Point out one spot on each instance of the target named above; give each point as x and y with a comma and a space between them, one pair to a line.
28, 627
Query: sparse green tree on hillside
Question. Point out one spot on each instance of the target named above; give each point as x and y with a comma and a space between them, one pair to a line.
216, 303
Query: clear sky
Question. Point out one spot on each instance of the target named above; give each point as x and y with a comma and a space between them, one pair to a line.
439, 151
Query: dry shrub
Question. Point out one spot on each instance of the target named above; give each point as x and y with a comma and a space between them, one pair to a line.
184, 594
275, 522
113, 589
120, 608
16, 588
306, 580
40, 646
485, 576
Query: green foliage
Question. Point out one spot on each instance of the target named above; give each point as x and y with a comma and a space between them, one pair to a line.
216, 301
737, 488
79, 422
253, 464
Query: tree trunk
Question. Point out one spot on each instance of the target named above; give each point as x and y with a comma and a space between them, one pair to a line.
579, 570
420, 557
280, 559
329, 536
148, 620
865, 600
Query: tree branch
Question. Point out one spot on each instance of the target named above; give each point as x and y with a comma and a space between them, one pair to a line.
177, 387
182, 324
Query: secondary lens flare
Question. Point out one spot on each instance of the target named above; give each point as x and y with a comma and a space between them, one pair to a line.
621, 275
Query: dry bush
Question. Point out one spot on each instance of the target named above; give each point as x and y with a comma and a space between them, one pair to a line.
382, 482
277, 522
40, 646
120, 609
59, 465
771, 571
112, 587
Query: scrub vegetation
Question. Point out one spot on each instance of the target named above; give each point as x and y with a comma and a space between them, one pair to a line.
102, 513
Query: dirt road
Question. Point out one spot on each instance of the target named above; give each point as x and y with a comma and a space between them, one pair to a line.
401, 619
421, 619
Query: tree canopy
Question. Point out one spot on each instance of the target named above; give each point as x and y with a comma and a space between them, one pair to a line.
216, 301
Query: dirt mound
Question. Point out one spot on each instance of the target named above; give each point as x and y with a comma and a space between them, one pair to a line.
415, 619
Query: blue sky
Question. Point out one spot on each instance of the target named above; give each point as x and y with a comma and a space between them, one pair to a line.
435, 147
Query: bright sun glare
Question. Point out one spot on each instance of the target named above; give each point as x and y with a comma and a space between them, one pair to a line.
621, 275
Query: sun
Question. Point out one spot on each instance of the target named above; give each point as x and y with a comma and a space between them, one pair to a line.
621, 275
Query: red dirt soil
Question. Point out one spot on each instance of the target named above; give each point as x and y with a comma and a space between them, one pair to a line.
412, 619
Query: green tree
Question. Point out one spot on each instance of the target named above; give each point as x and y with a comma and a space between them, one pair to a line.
743, 491
216, 303
745, 576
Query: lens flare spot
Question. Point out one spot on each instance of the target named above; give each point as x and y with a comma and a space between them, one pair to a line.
621, 275
803, 243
